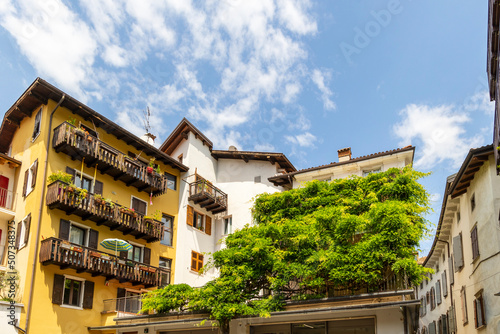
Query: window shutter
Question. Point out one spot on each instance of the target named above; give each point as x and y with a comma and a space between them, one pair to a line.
445, 284
194, 261
57, 290
123, 254
200, 261
190, 214
98, 187
457, 252
71, 172
475, 243
64, 226
120, 293
93, 238
450, 269
27, 232
18, 232
139, 206
34, 170
438, 292
26, 175
147, 256
120, 303
208, 225
88, 294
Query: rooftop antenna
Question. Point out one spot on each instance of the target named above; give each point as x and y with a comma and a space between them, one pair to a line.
147, 126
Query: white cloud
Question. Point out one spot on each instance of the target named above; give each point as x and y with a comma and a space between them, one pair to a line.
319, 79
480, 102
266, 147
303, 140
440, 133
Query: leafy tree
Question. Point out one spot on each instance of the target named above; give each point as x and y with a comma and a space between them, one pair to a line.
348, 234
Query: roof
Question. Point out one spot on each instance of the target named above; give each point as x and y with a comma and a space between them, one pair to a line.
492, 61
10, 161
285, 178
179, 133
40, 91
278, 158
457, 184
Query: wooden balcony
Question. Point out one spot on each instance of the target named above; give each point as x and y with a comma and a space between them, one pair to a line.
208, 196
78, 145
84, 259
117, 217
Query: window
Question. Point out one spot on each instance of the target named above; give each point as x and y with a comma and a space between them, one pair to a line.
228, 225
463, 301
372, 171
445, 284
479, 319
473, 202
38, 125
23, 230
444, 324
171, 181
433, 298
135, 253
72, 291
196, 261
30, 178
166, 265
475, 243
78, 234
139, 205
85, 181
423, 310
199, 220
167, 230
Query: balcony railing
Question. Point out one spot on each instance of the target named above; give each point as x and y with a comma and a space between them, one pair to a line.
125, 306
78, 145
84, 259
6, 199
208, 196
117, 217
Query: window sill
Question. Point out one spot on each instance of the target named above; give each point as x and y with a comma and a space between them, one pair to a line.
481, 327
197, 229
195, 272
34, 138
476, 259
72, 307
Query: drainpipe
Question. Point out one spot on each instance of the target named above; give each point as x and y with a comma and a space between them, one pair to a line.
37, 243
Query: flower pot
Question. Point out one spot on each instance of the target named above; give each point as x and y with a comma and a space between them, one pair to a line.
149, 170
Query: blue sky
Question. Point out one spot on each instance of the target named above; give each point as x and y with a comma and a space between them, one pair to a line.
305, 78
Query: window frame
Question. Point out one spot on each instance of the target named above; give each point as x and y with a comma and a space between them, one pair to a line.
203, 219
475, 243
38, 123
226, 219
78, 174
199, 258
169, 181
169, 270
83, 227
132, 197
134, 246
23, 241
81, 292
371, 170
170, 230
479, 300
29, 181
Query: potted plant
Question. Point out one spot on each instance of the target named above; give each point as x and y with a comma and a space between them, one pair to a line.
95, 254
71, 188
72, 121
151, 166
98, 199
158, 170
59, 176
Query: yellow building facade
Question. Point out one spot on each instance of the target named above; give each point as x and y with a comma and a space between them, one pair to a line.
68, 280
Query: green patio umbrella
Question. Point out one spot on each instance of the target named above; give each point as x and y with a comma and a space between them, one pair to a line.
116, 245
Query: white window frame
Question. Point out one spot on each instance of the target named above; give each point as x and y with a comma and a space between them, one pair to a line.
82, 289
203, 220
29, 188
140, 199
82, 226
230, 218
136, 245
371, 170
171, 230
40, 126
22, 235
87, 176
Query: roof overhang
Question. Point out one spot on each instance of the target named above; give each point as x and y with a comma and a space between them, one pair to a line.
40, 91
5, 159
180, 133
246, 156
492, 58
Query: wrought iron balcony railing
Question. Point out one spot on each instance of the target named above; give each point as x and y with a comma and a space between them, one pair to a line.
61, 196
84, 259
208, 196
79, 144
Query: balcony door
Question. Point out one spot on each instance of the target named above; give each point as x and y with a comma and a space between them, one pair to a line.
4, 191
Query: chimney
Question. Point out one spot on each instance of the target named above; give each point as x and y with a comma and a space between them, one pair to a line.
344, 154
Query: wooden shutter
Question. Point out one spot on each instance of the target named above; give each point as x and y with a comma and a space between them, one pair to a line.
190, 215
64, 227
93, 238
475, 244
458, 255
26, 175
58, 289
88, 294
34, 170
450, 269
147, 256
120, 293
71, 172
27, 232
123, 254
445, 284
18, 234
139, 206
208, 225
438, 292
98, 187
200, 261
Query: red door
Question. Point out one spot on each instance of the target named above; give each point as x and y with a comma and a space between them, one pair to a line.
4, 186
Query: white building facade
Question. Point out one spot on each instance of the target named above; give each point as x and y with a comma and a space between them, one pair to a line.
463, 295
